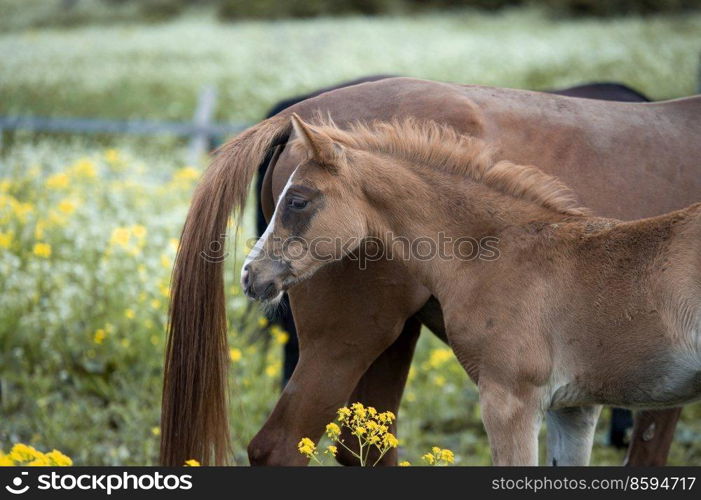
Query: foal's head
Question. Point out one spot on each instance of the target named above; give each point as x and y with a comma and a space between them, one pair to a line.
319, 217
339, 193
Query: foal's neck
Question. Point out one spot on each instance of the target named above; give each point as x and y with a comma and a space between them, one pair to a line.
448, 216
426, 203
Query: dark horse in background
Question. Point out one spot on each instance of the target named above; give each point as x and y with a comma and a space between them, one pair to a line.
621, 419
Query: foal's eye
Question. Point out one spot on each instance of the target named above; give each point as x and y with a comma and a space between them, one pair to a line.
297, 203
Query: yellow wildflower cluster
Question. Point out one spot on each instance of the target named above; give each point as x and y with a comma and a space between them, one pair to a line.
6, 239
24, 455
42, 250
235, 355
370, 427
191, 463
11, 207
439, 357
279, 335
439, 456
186, 174
131, 239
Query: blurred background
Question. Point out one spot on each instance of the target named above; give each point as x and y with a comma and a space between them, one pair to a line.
98, 161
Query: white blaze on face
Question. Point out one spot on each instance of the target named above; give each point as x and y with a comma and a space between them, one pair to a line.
260, 244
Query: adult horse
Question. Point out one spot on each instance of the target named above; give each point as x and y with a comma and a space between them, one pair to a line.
607, 91
621, 420
357, 328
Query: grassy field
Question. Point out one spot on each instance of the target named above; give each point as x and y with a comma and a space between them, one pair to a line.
88, 225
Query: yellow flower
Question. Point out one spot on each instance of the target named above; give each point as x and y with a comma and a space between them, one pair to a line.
40, 461
359, 410
6, 239
57, 181
21, 210
343, 414
55, 457
439, 380
333, 430
120, 236
447, 456
99, 336
111, 155
390, 441
156, 431
429, 458
435, 450
359, 431
386, 417
84, 167
139, 231
439, 356
273, 370
67, 206
331, 450
235, 354
306, 447
262, 322
281, 336
192, 463
23, 453
404, 463
42, 250
5, 461
129, 313
165, 261
186, 174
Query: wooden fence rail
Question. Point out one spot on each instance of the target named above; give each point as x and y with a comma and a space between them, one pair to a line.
202, 131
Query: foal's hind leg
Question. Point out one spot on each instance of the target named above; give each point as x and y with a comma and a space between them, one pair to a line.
571, 434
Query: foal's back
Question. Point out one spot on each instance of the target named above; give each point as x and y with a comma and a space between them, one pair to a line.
640, 292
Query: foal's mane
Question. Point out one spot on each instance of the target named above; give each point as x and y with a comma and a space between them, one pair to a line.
441, 147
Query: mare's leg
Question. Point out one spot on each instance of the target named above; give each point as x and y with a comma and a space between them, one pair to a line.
653, 432
346, 318
512, 416
382, 386
571, 434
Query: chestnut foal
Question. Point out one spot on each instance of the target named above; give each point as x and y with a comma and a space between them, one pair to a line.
554, 314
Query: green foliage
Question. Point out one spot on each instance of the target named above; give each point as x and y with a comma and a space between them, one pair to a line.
275, 9
23, 14
609, 8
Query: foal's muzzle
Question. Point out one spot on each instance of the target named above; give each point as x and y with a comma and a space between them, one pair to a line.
262, 279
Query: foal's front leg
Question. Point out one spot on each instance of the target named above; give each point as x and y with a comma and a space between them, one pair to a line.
512, 417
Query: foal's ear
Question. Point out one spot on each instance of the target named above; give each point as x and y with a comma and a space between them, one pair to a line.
318, 145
